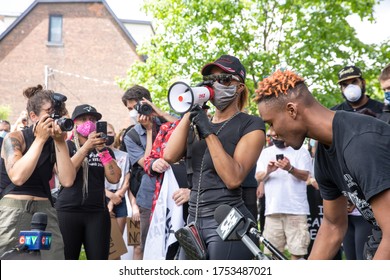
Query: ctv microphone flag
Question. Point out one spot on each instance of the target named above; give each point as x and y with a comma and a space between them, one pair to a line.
36, 239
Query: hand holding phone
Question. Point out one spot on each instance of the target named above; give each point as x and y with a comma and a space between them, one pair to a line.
279, 157
101, 127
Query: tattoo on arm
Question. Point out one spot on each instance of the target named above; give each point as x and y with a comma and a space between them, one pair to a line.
111, 169
10, 146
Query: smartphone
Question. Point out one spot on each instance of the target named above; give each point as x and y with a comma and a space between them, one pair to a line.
279, 156
101, 127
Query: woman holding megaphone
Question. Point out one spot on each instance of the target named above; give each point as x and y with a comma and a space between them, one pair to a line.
219, 153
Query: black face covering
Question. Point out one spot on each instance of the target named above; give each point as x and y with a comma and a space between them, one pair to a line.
110, 140
278, 143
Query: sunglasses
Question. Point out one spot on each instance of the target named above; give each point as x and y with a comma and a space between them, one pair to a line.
221, 78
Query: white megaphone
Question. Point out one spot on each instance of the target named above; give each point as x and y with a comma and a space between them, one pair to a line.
182, 97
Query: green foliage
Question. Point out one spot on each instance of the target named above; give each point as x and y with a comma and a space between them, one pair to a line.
311, 37
4, 112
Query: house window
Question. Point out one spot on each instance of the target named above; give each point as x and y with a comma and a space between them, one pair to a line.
55, 29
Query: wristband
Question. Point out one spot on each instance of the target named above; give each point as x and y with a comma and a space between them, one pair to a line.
291, 169
105, 157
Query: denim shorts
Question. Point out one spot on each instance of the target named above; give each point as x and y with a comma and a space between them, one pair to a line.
119, 210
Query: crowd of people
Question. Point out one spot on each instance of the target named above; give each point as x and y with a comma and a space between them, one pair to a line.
222, 158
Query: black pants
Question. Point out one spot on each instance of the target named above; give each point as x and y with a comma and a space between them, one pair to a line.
91, 229
355, 238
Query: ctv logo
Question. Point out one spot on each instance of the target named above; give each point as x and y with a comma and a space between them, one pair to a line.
28, 240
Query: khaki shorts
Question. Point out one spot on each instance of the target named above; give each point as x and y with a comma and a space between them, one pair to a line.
15, 215
287, 230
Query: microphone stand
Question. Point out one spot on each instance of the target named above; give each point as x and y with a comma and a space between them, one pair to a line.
268, 244
253, 248
249, 243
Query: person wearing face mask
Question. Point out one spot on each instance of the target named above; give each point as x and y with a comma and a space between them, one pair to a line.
139, 141
282, 173
353, 89
223, 151
5, 128
384, 80
82, 210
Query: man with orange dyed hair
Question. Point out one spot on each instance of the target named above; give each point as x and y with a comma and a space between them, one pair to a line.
352, 159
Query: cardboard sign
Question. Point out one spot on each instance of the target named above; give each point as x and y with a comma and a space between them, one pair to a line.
117, 244
133, 233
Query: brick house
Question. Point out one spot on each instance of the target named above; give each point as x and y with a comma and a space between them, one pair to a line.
76, 48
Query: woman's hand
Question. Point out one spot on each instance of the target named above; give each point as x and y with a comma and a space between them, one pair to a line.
94, 141
135, 215
160, 165
181, 196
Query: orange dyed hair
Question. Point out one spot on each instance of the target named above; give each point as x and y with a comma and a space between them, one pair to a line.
278, 83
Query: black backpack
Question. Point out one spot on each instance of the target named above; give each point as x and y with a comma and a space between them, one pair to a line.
137, 171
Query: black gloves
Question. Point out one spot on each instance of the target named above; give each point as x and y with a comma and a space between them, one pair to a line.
199, 118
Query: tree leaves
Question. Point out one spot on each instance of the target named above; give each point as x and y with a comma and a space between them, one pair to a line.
311, 37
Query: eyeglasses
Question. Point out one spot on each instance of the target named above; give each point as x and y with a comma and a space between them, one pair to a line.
221, 78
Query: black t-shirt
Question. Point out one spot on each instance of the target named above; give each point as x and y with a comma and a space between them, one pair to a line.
213, 190
71, 199
372, 104
357, 163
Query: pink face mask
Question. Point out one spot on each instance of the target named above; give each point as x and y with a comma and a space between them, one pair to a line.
86, 128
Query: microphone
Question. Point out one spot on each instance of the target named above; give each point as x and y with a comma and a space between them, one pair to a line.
31, 241
37, 238
235, 226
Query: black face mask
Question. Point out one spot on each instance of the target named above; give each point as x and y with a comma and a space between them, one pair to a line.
278, 143
109, 140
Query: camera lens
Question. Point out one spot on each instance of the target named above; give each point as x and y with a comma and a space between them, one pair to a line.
143, 109
65, 124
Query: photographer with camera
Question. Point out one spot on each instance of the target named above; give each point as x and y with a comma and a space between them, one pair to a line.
82, 210
27, 160
139, 141
282, 173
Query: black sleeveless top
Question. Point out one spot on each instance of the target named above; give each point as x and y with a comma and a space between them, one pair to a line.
38, 183
213, 190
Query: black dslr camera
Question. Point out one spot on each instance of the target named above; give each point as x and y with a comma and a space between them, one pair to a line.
143, 108
64, 123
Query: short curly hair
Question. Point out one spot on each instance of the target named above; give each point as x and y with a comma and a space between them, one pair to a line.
277, 85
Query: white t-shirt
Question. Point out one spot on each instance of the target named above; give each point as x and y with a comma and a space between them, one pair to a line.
123, 161
284, 193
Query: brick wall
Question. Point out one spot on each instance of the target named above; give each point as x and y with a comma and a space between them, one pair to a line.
94, 46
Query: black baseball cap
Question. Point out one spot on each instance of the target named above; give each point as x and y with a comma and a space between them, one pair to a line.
349, 72
227, 63
85, 109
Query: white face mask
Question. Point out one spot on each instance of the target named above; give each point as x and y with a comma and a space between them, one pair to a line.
133, 116
352, 93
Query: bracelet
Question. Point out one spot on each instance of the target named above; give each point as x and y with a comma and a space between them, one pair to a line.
105, 157
291, 169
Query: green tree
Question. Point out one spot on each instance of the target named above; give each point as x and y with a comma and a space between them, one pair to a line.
311, 37
4, 112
